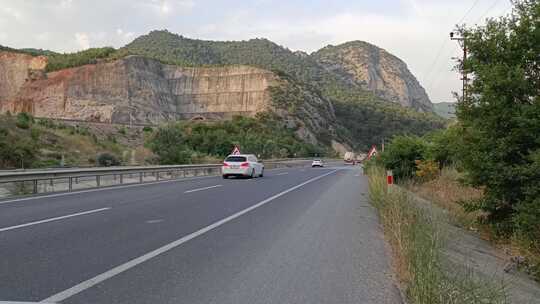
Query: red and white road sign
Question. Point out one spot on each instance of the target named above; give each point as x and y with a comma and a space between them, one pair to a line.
372, 152
235, 151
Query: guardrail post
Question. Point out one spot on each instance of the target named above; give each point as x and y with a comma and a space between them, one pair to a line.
141, 177
35, 186
121, 178
157, 175
98, 181
70, 182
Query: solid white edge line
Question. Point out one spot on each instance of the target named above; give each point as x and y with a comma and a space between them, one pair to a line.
201, 189
53, 219
132, 263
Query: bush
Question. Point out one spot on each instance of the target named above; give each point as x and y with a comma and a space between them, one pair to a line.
175, 143
107, 160
24, 120
427, 170
147, 129
35, 133
169, 145
401, 155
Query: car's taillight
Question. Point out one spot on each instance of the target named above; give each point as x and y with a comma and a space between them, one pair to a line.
244, 165
225, 165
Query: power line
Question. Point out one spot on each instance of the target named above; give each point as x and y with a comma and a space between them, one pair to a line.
488, 10
468, 12
443, 45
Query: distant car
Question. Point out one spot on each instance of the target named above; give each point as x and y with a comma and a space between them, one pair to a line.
244, 165
317, 163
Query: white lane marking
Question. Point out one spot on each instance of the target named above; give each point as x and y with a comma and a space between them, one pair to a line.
104, 189
284, 173
53, 219
132, 263
152, 222
117, 187
201, 189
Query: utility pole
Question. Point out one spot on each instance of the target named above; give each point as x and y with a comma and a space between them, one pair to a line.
463, 43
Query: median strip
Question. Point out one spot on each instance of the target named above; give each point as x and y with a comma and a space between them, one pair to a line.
132, 263
201, 189
53, 219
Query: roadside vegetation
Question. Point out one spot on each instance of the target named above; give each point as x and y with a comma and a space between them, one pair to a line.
188, 142
485, 168
27, 142
417, 238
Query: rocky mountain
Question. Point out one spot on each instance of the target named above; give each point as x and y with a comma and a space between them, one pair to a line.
140, 90
375, 70
162, 77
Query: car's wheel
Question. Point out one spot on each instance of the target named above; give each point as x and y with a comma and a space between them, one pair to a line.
252, 173
225, 176
262, 173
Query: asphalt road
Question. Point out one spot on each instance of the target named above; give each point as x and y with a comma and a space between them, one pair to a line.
294, 236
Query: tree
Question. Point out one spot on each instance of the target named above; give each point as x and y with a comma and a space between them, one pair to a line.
402, 153
169, 145
501, 118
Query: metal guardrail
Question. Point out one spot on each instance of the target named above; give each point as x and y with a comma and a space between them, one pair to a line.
16, 183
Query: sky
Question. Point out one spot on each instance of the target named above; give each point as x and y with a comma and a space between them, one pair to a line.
414, 30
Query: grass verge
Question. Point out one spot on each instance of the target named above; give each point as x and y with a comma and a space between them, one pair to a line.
448, 192
417, 241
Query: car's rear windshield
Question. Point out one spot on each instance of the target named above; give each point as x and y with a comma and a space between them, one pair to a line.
236, 159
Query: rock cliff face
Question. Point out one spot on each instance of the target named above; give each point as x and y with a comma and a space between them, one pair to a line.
134, 89
375, 70
138, 90
15, 70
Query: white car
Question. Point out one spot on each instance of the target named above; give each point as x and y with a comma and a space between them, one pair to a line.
317, 163
245, 165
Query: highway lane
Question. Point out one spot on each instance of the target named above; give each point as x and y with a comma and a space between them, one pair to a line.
41, 260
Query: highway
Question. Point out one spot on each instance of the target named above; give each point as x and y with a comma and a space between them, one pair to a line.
297, 235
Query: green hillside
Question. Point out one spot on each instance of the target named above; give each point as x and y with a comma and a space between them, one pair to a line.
363, 119
445, 109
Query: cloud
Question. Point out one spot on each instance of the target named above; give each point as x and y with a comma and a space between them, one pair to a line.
413, 30
168, 7
43, 37
82, 40
10, 12
66, 3
125, 37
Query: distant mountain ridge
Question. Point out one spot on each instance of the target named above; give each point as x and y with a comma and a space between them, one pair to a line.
445, 109
375, 70
355, 65
322, 105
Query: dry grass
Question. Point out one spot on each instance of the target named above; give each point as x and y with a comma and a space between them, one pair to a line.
416, 238
447, 192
